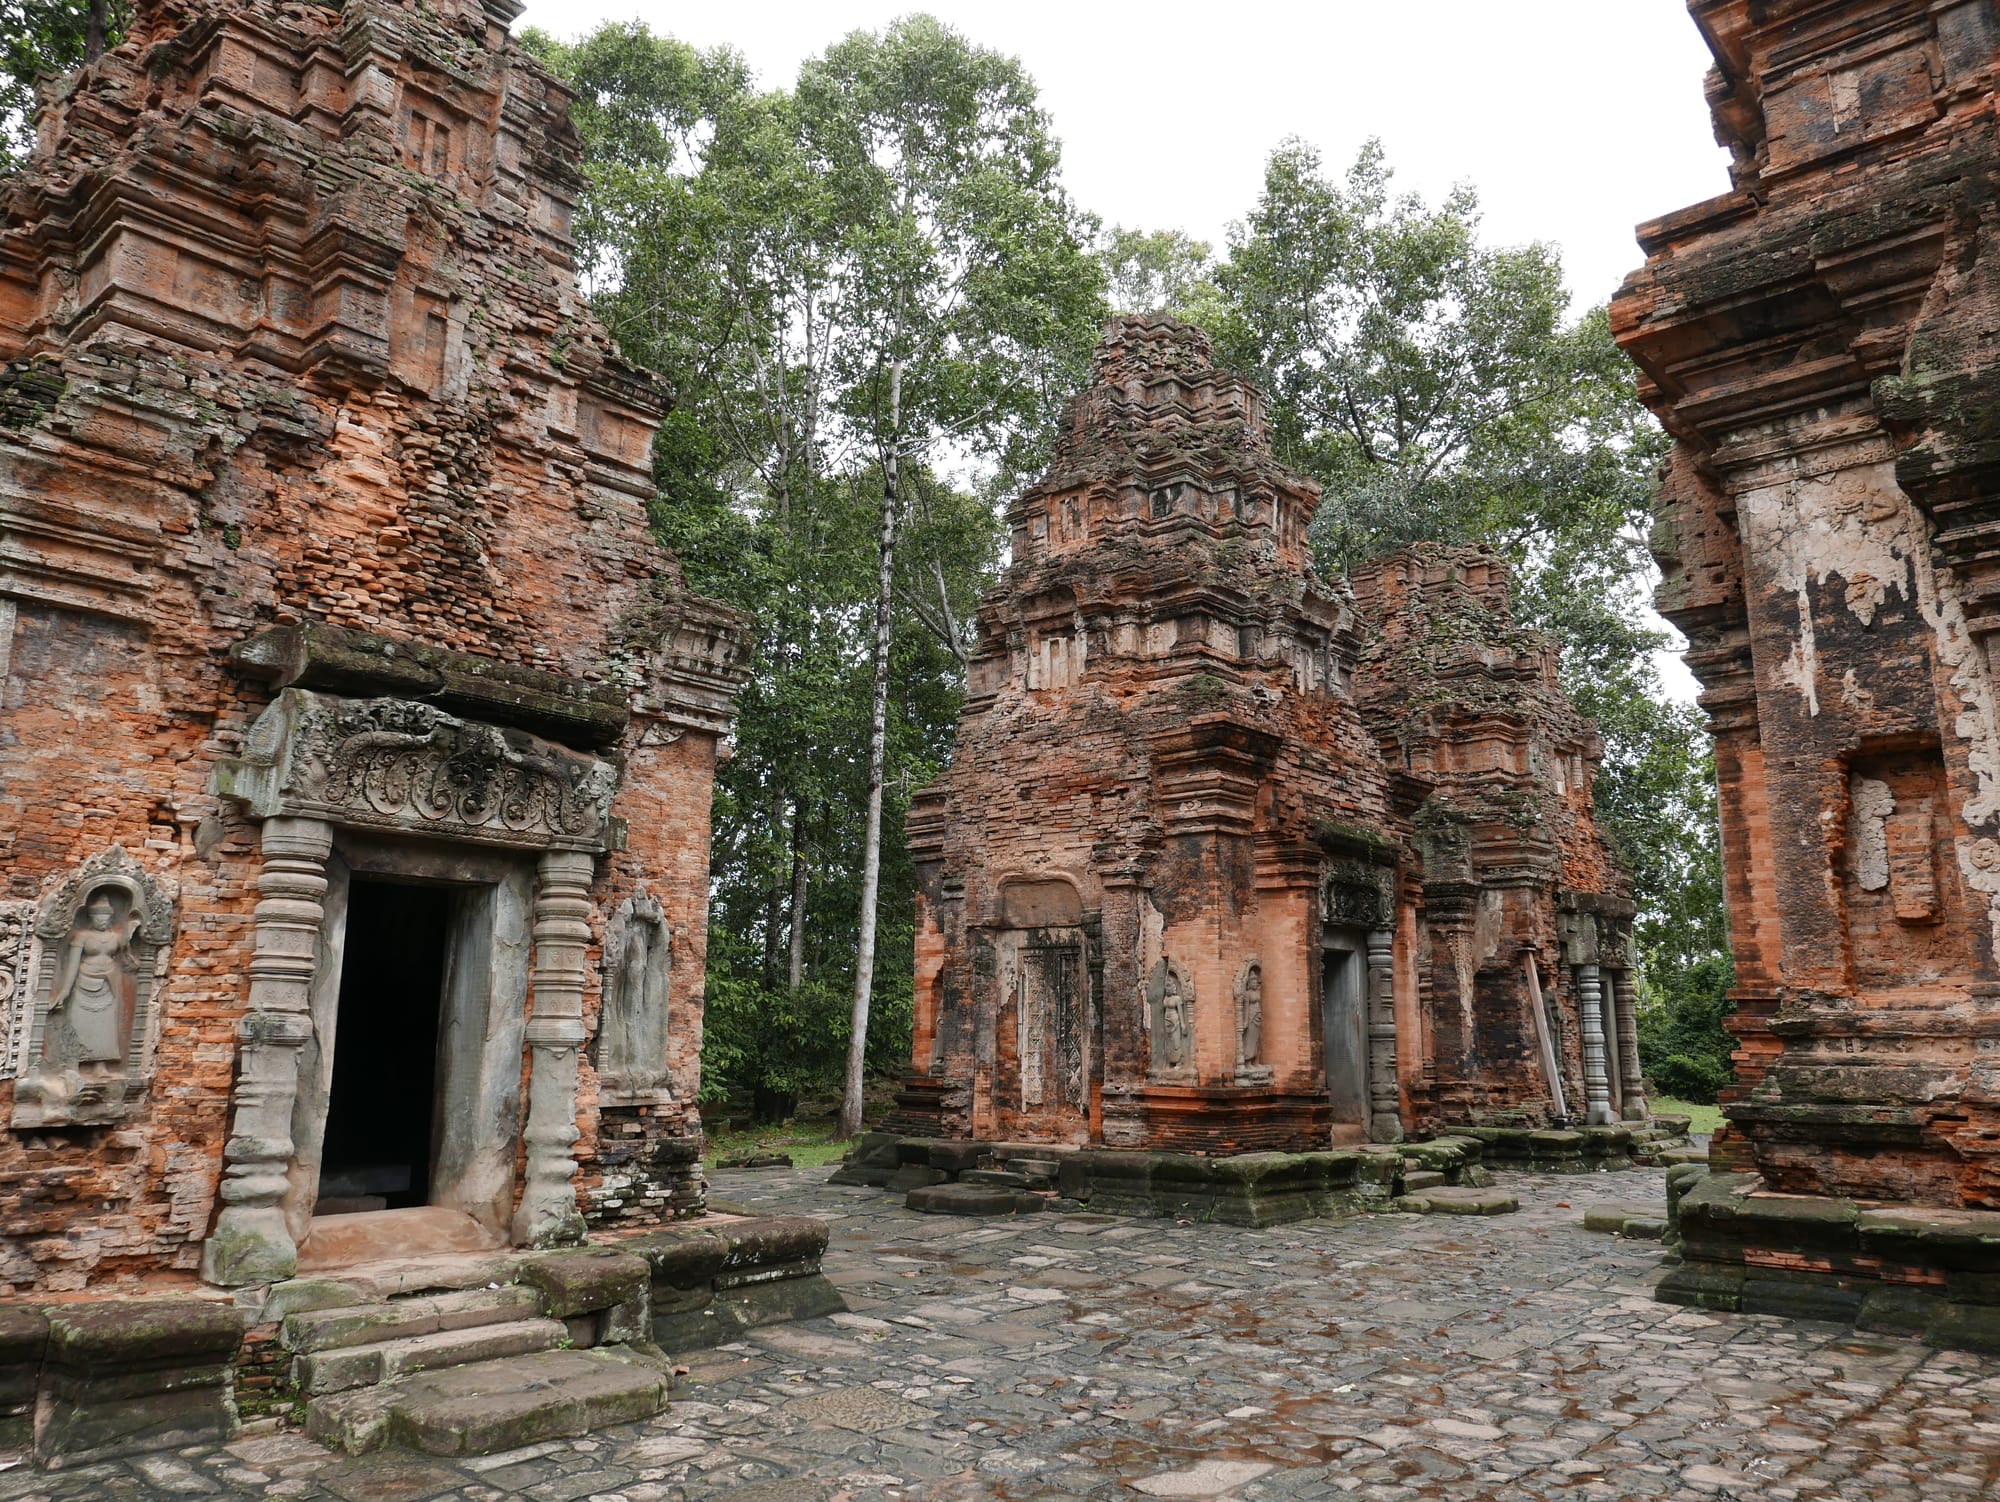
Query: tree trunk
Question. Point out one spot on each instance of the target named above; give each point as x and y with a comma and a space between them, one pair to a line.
774, 909
878, 740
796, 970
96, 24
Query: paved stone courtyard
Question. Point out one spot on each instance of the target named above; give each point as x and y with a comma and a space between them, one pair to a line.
1074, 1356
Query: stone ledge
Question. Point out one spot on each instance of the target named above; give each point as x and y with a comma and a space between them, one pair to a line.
339, 660
128, 1375
1931, 1273
711, 1283
1250, 1189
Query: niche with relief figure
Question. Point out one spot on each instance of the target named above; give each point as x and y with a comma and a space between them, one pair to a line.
79, 1044
1905, 910
632, 1033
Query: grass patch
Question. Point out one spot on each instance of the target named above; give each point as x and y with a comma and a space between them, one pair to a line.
1702, 1119
810, 1143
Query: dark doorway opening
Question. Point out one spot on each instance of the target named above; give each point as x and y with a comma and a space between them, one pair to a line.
382, 1104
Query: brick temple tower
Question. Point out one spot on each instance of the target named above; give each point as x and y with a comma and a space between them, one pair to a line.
357, 740
1225, 862
1119, 926
1819, 340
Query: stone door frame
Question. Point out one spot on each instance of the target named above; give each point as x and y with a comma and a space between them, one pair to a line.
482, 1012
315, 764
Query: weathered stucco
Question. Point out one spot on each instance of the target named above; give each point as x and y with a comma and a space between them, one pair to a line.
1818, 341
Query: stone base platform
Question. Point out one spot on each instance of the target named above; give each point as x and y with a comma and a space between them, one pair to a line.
1580, 1149
1896, 1269
457, 1354
712, 1279
1444, 1175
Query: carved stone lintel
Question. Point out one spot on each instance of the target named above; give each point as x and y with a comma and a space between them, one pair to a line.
1596, 1082
251, 1242
1355, 895
398, 764
1385, 1120
548, 1214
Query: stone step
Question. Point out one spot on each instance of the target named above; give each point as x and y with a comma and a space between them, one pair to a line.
1037, 1171
370, 1324
1418, 1180
1644, 1220
491, 1406
1460, 1202
346, 1367
997, 1177
973, 1199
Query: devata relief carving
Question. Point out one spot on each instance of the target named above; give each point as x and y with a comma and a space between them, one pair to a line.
1225, 771
1250, 1014
1171, 998
100, 935
632, 1033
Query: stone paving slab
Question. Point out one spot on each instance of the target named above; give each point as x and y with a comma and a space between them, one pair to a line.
1383, 1358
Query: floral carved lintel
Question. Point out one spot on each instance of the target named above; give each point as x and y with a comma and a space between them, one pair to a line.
404, 765
1354, 894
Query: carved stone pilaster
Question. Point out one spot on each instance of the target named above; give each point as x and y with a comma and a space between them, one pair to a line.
251, 1242
1596, 1082
1385, 1121
548, 1214
1626, 1009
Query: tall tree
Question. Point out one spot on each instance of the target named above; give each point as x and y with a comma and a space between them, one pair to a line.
42, 40
1164, 271
964, 258
847, 285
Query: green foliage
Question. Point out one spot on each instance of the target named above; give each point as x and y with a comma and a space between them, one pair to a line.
775, 255
1164, 271
44, 39
858, 283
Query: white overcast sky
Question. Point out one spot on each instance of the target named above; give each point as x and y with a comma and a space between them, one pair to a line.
1575, 119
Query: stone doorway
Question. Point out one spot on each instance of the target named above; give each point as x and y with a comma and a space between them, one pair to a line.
1053, 1027
409, 1110
1344, 1033
382, 1101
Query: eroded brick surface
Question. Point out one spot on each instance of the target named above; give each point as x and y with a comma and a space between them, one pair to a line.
291, 335
1819, 343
